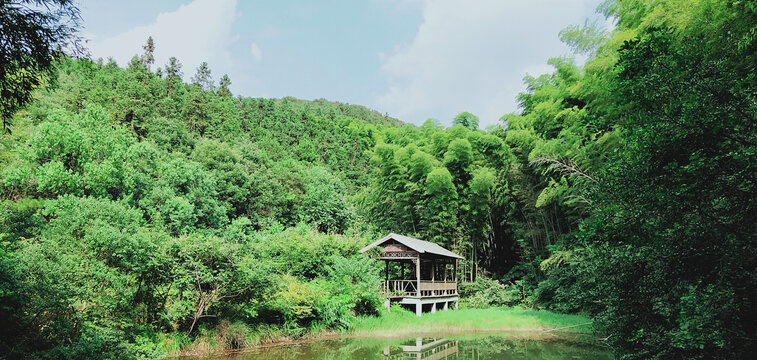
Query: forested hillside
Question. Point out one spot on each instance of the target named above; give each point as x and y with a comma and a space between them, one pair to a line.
136, 204
142, 215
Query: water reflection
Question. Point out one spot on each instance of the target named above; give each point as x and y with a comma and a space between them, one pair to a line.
478, 347
428, 348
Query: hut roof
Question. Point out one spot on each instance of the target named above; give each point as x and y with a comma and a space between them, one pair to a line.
415, 244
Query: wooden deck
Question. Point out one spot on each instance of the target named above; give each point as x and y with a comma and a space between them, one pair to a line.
415, 288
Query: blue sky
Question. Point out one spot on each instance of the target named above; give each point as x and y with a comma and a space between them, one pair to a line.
412, 59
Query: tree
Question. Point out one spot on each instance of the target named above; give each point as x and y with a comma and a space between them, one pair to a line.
480, 219
466, 119
223, 86
33, 33
94, 264
203, 78
323, 204
676, 219
440, 215
148, 58
458, 160
173, 74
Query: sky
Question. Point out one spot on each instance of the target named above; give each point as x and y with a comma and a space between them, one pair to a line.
410, 59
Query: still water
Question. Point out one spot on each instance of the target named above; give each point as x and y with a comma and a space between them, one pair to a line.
478, 347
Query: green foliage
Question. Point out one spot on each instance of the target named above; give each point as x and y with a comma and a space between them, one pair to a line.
148, 58
203, 78
324, 203
671, 206
423, 184
356, 281
169, 134
33, 34
679, 222
349, 289
134, 204
466, 119
302, 251
87, 246
569, 284
486, 292
440, 211
20, 220
223, 86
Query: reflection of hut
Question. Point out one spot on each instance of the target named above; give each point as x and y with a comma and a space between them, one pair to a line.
434, 279
427, 349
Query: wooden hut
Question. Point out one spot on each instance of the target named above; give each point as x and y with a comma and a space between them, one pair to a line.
418, 273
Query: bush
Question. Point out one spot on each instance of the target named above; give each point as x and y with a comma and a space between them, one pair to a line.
303, 251
352, 285
568, 286
486, 292
349, 289
293, 305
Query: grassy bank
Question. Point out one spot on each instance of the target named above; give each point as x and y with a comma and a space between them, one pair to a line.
396, 323
399, 322
231, 337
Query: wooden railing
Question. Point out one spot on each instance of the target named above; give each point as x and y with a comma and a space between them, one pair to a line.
438, 288
402, 288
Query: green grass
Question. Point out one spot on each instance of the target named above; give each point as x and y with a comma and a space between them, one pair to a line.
225, 337
395, 323
400, 322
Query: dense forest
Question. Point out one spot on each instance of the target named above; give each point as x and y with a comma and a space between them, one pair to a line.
140, 213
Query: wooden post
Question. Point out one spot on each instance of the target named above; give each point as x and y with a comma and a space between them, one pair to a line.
445, 272
418, 275
454, 269
387, 272
433, 269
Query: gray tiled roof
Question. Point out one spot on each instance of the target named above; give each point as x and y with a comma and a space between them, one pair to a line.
415, 244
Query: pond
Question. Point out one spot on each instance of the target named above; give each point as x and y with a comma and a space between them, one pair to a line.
477, 347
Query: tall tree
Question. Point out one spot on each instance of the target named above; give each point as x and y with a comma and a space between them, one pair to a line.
203, 78
148, 58
223, 86
173, 74
466, 119
441, 208
458, 160
32, 34
672, 236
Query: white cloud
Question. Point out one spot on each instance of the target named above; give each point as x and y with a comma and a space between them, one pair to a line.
195, 32
256, 53
472, 55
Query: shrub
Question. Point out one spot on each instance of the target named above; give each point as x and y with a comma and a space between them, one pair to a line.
486, 292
